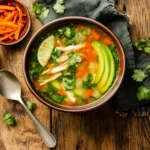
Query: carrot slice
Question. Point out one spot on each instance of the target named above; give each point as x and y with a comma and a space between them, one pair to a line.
20, 13
95, 35
107, 41
6, 37
18, 30
89, 93
61, 92
8, 23
15, 19
7, 7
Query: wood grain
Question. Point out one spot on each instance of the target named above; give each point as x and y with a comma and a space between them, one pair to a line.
23, 136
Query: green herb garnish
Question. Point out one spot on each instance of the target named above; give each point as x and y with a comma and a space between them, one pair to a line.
55, 55
139, 75
89, 83
143, 93
39, 10
143, 44
148, 68
31, 106
8, 118
69, 81
59, 7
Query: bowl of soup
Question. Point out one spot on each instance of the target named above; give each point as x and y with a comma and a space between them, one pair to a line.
74, 64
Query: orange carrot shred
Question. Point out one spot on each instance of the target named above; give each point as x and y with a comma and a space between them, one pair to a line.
6, 7
8, 23
20, 13
18, 30
89, 93
6, 37
107, 41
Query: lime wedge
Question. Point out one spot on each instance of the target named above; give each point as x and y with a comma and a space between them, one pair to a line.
45, 50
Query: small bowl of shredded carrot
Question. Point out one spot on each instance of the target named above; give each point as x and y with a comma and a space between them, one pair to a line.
15, 22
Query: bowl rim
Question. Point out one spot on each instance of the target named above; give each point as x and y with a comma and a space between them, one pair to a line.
29, 26
109, 94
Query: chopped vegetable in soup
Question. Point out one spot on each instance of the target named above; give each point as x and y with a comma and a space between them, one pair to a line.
74, 65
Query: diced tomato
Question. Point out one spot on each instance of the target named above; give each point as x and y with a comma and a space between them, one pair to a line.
91, 55
88, 44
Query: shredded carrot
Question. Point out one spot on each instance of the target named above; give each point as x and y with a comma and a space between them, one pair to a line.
18, 31
15, 19
6, 37
12, 22
10, 16
5, 31
95, 35
6, 7
89, 93
61, 92
107, 41
7, 23
20, 13
85, 71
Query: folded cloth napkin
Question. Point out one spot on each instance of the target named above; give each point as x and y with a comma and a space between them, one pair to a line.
105, 12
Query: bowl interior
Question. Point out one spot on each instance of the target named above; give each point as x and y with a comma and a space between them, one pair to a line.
25, 30
68, 20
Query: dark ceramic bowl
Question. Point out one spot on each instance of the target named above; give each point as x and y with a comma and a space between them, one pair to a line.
26, 29
68, 20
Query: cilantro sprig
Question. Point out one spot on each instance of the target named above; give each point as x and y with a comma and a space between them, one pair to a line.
139, 75
143, 45
32, 106
8, 118
40, 10
59, 7
143, 93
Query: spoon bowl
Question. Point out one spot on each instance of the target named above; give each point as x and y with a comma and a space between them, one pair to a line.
10, 88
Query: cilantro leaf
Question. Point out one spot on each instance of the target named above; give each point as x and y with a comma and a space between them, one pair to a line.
8, 118
89, 83
74, 59
34, 67
59, 7
55, 55
148, 68
68, 81
147, 49
139, 75
31, 106
143, 93
39, 10
140, 44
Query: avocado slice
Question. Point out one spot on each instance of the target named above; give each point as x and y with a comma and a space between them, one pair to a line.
112, 71
100, 53
105, 75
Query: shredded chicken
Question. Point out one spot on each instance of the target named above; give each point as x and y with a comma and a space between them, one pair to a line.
63, 58
71, 47
53, 77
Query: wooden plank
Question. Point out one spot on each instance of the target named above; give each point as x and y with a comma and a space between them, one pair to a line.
23, 136
102, 129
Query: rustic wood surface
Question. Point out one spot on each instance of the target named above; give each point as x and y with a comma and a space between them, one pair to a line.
99, 129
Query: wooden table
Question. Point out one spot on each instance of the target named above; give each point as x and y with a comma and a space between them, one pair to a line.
100, 129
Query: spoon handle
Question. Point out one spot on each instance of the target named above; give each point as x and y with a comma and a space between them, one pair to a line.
48, 138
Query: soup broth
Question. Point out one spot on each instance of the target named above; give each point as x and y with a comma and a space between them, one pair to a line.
73, 65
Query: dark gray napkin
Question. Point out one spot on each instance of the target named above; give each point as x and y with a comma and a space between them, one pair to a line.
105, 12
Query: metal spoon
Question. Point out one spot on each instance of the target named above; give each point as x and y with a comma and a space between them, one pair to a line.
10, 88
